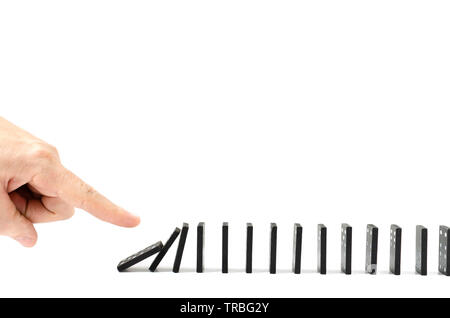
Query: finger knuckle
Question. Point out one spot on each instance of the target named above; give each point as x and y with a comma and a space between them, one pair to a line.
42, 153
53, 150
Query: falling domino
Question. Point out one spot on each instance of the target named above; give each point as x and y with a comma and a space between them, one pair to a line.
139, 256
164, 250
180, 249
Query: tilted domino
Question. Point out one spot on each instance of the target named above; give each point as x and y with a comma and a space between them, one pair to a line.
164, 250
180, 249
139, 256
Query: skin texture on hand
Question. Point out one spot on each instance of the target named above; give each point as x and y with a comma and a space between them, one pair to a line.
36, 188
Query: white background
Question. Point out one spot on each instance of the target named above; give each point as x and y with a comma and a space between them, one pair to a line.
239, 111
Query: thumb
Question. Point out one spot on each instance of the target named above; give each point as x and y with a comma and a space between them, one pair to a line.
14, 224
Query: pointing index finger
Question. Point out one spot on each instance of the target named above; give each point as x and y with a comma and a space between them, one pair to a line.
76, 192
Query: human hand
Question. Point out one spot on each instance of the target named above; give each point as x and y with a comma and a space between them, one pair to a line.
35, 188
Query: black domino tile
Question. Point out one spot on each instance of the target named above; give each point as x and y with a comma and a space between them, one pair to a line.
297, 250
139, 256
249, 249
225, 247
395, 249
444, 245
346, 249
371, 249
180, 249
200, 245
421, 249
164, 250
273, 248
322, 249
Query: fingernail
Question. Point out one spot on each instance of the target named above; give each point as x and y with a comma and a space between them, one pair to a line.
25, 240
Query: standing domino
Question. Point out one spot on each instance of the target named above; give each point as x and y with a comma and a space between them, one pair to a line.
444, 240
322, 249
200, 245
225, 247
297, 253
395, 249
371, 249
249, 249
421, 249
346, 249
273, 248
